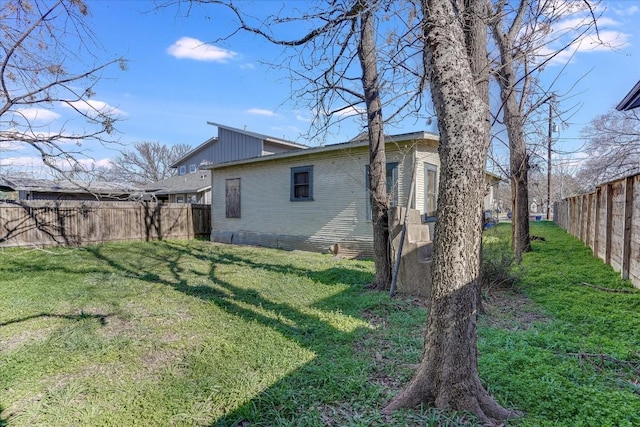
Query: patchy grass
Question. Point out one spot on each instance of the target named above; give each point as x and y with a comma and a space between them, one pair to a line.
194, 333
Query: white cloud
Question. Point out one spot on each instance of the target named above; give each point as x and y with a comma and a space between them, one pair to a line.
303, 117
11, 146
631, 10
261, 112
38, 114
21, 162
571, 24
604, 40
350, 111
92, 106
190, 48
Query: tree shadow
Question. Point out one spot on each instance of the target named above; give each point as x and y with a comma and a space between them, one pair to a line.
332, 346
3, 421
102, 318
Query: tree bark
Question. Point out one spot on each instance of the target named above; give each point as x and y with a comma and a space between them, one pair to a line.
475, 34
514, 123
377, 154
448, 373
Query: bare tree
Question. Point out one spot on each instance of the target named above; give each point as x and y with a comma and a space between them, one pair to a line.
47, 66
514, 123
613, 145
521, 32
448, 373
342, 36
147, 162
377, 154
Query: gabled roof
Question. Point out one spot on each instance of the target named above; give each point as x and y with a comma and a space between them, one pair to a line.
194, 151
360, 141
211, 141
64, 186
632, 100
271, 139
180, 184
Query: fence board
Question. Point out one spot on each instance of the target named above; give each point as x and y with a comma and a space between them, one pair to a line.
608, 221
50, 223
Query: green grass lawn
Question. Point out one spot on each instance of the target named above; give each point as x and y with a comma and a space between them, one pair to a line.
193, 333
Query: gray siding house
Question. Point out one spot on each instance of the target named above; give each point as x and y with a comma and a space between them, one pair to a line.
314, 198
192, 184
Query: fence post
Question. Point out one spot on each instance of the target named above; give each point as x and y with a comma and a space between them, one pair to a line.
626, 238
608, 227
596, 227
588, 230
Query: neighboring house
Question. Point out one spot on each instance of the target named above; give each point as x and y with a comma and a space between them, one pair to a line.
189, 188
631, 100
192, 185
314, 198
44, 189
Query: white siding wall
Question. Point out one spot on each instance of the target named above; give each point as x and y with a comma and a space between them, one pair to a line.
427, 153
336, 215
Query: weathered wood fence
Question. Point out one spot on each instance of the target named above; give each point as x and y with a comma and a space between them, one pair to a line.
50, 223
608, 221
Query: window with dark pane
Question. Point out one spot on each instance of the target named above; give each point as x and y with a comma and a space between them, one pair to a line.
232, 198
301, 183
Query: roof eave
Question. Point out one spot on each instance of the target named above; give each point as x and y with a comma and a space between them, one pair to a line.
192, 152
413, 136
631, 100
267, 138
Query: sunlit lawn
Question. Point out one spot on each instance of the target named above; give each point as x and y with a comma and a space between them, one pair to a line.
194, 333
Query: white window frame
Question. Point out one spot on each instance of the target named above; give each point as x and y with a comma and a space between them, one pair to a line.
430, 215
182, 170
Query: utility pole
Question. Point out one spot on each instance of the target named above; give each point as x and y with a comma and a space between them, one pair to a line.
550, 138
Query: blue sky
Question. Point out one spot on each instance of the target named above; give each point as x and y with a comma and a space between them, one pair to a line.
180, 75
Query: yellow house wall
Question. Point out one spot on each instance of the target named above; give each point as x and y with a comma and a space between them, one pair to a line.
337, 212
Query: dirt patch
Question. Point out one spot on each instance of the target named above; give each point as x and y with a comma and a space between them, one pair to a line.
510, 310
26, 337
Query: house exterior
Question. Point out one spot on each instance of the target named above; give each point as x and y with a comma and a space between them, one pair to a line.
187, 188
192, 184
631, 99
45, 189
314, 198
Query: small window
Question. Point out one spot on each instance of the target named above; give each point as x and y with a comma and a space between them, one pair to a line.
232, 198
183, 170
301, 184
192, 168
180, 199
430, 191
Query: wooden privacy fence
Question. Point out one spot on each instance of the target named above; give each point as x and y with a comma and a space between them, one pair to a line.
50, 223
608, 221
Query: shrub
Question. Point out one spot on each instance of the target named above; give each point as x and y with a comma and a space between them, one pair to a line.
498, 262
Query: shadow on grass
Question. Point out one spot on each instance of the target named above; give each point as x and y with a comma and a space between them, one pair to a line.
102, 318
336, 369
3, 420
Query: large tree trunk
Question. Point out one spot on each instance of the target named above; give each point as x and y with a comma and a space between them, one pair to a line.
377, 155
475, 34
448, 373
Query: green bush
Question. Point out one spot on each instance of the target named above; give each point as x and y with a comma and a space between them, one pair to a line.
499, 268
